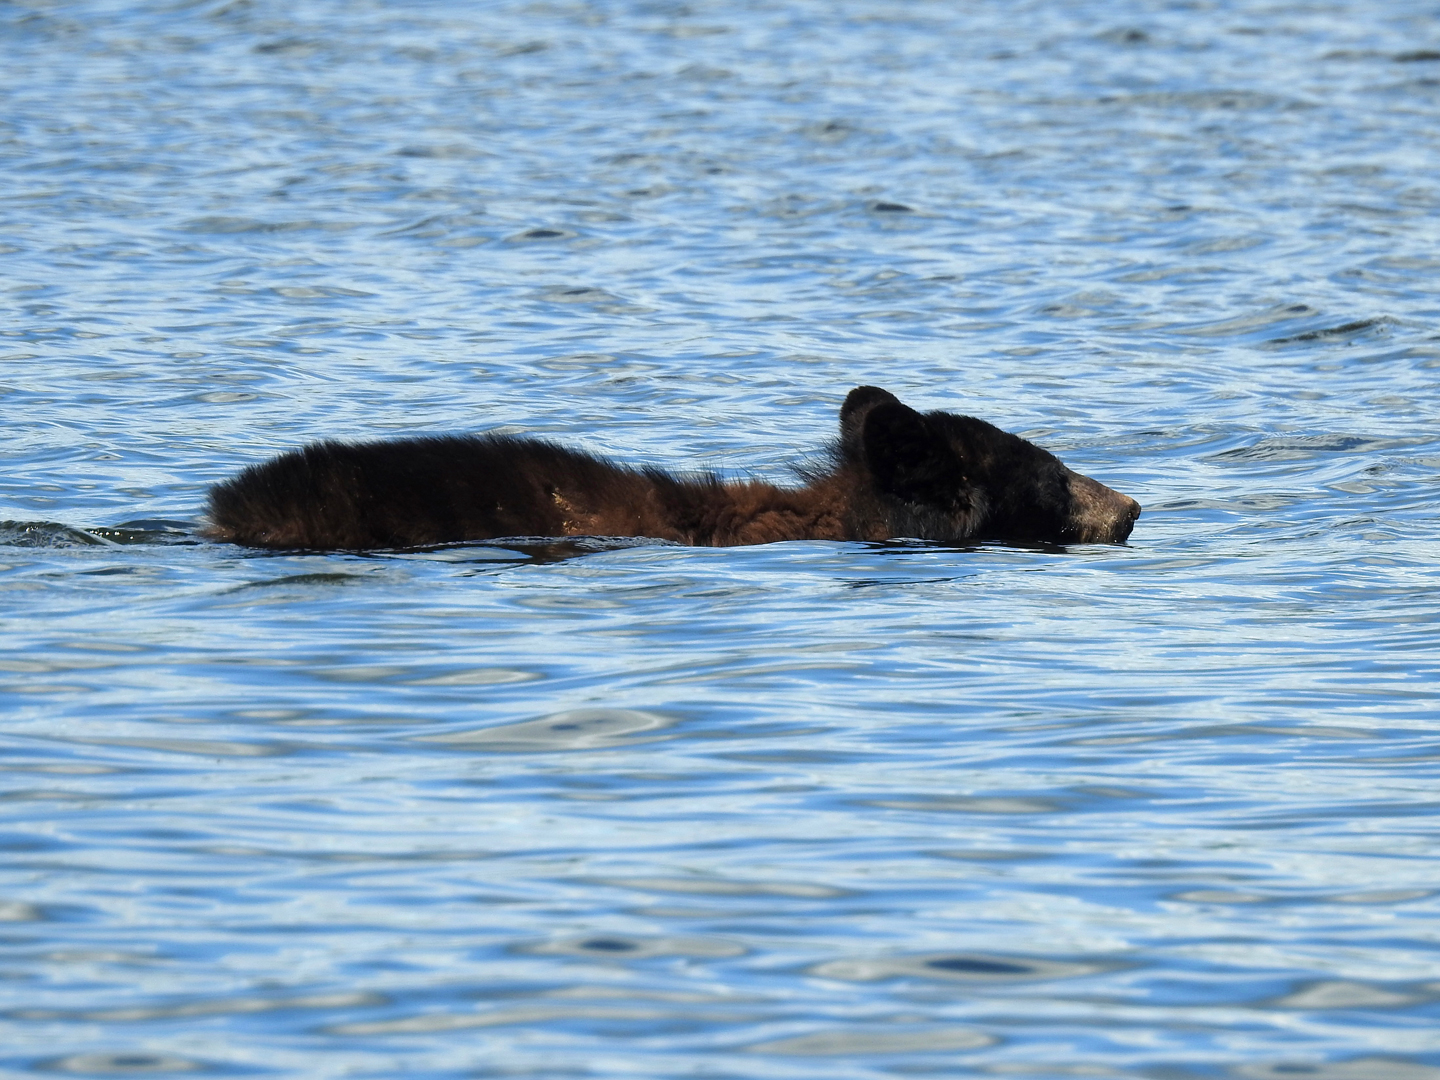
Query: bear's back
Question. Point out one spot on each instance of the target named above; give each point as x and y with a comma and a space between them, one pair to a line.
409, 492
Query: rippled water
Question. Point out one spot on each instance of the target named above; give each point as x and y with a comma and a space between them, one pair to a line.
1165, 810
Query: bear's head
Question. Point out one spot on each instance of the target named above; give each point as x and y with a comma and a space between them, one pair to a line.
952, 478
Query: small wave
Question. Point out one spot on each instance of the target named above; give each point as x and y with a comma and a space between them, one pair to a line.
1330, 333
148, 531
541, 233
577, 729
1247, 325
1204, 100
553, 549
54, 534
926, 1040
970, 967
123, 1064
46, 534
1301, 448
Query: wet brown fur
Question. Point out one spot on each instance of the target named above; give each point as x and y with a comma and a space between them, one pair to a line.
890, 474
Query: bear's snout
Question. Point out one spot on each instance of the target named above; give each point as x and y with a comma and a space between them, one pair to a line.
1100, 515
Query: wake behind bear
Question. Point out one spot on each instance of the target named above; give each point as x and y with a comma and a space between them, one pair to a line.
894, 472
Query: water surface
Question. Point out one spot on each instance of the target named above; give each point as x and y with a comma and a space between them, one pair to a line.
1164, 810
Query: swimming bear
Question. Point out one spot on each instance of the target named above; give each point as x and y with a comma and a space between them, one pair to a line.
893, 472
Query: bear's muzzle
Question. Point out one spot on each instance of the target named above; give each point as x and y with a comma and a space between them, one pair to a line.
1098, 514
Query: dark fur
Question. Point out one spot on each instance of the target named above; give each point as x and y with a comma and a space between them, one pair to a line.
893, 473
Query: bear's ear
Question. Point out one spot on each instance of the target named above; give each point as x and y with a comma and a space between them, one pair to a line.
908, 458
858, 404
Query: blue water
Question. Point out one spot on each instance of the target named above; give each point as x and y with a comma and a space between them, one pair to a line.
1168, 811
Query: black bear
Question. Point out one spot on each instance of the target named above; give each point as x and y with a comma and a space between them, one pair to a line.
893, 472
